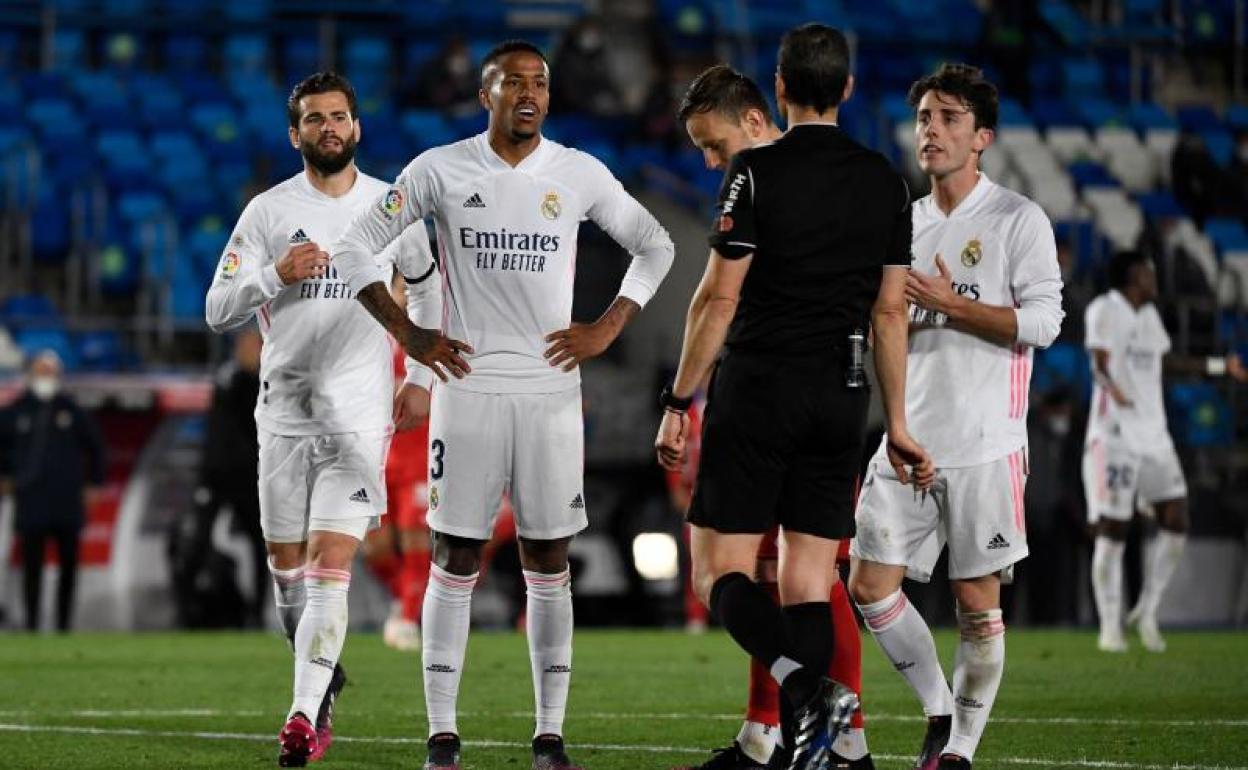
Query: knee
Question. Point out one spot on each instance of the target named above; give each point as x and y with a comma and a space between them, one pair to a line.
865, 587
1112, 529
286, 556
457, 555
546, 556
1172, 516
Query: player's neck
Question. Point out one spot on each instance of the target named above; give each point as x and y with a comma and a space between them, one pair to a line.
950, 190
513, 150
795, 115
1135, 298
334, 185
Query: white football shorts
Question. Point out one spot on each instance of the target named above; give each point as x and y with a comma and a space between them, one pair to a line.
530, 444
333, 482
977, 511
1117, 473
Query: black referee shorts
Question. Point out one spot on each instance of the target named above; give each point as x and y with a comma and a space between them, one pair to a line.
781, 444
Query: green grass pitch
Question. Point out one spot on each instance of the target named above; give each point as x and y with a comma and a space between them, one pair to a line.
640, 700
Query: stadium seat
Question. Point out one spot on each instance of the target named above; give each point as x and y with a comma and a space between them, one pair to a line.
69, 50
1072, 144
1237, 117
1147, 115
1221, 145
101, 351
1127, 158
1160, 143
1198, 119
50, 223
34, 309
426, 128
35, 339
1227, 234
1116, 216
1199, 416
187, 53
245, 55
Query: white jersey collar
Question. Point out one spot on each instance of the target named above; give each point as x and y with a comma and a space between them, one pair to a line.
310, 188
492, 160
983, 186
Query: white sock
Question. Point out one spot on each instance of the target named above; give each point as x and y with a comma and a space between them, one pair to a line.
1159, 565
907, 641
976, 678
851, 744
758, 741
319, 638
289, 595
548, 623
1107, 582
444, 640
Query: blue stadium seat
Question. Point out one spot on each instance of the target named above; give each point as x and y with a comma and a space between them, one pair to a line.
1012, 113
1160, 204
418, 53
366, 54
101, 351
35, 339
1221, 145
1199, 416
186, 53
301, 56
1055, 112
50, 223
426, 128
29, 308
247, 10
1198, 119
190, 284
1237, 117
1227, 234
1089, 173
1069, 25
1063, 364
1097, 112
245, 55
1146, 115
69, 50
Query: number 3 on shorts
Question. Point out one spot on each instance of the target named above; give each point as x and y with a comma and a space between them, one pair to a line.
437, 450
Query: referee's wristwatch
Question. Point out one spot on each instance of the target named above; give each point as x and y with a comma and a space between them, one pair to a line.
670, 401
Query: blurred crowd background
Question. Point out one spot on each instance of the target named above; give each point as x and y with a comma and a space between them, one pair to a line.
136, 130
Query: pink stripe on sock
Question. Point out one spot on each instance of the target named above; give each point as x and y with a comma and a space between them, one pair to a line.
288, 578
322, 573
888, 615
538, 579
454, 581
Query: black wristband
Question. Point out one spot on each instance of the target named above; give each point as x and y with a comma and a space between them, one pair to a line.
669, 400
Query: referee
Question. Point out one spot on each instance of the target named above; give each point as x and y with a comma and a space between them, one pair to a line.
809, 251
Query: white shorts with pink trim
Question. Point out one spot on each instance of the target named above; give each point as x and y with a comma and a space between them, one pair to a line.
977, 511
1117, 474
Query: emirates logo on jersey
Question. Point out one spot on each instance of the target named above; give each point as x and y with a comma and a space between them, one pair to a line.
972, 253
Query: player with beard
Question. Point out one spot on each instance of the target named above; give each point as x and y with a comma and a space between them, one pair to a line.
324, 406
725, 112
507, 205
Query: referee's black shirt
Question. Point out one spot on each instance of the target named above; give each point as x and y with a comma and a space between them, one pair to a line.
822, 216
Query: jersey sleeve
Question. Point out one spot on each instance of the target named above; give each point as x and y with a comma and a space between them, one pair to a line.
1101, 328
358, 252
899, 242
1035, 279
246, 277
414, 260
623, 218
734, 233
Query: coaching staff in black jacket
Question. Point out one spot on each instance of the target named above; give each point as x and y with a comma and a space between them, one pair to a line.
809, 252
51, 455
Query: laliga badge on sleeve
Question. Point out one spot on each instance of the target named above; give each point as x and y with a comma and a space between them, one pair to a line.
230, 264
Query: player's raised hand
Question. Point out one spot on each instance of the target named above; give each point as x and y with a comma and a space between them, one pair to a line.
436, 351
911, 461
670, 444
411, 406
931, 292
580, 342
305, 260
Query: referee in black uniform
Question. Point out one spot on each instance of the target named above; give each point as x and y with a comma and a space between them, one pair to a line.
809, 252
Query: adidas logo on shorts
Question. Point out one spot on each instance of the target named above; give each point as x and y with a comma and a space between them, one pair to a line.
998, 541
474, 202
578, 502
361, 496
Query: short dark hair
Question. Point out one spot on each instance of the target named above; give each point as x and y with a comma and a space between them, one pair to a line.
965, 82
510, 46
320, 83
1120, 266
724, 90
814, 62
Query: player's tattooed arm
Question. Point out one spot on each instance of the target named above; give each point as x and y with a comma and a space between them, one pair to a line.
428, 346
580, 342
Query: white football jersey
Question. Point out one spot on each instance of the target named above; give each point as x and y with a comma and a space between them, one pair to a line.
1136, 341
326, 365
966, 397
507, 244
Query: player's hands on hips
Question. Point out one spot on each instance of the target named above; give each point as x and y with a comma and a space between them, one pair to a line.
1119, 397
932, 292
411, 406
670, 443
305, 260
579, 342
910, 460
436, 351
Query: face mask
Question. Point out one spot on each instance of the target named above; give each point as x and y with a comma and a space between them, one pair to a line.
44, 388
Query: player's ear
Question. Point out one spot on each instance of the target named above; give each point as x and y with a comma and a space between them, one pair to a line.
849, 89
484, 98
780, 95
356, 130
293, 133
983, 139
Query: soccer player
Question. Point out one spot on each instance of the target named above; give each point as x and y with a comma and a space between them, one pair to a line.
725, 112
1128, 454
324, 406
810, 248
507, 205
985, 290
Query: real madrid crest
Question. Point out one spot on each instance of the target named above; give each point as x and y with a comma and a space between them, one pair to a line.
972, 253
551, 208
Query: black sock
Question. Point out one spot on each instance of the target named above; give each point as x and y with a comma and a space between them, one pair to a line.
810, 627
759, 627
